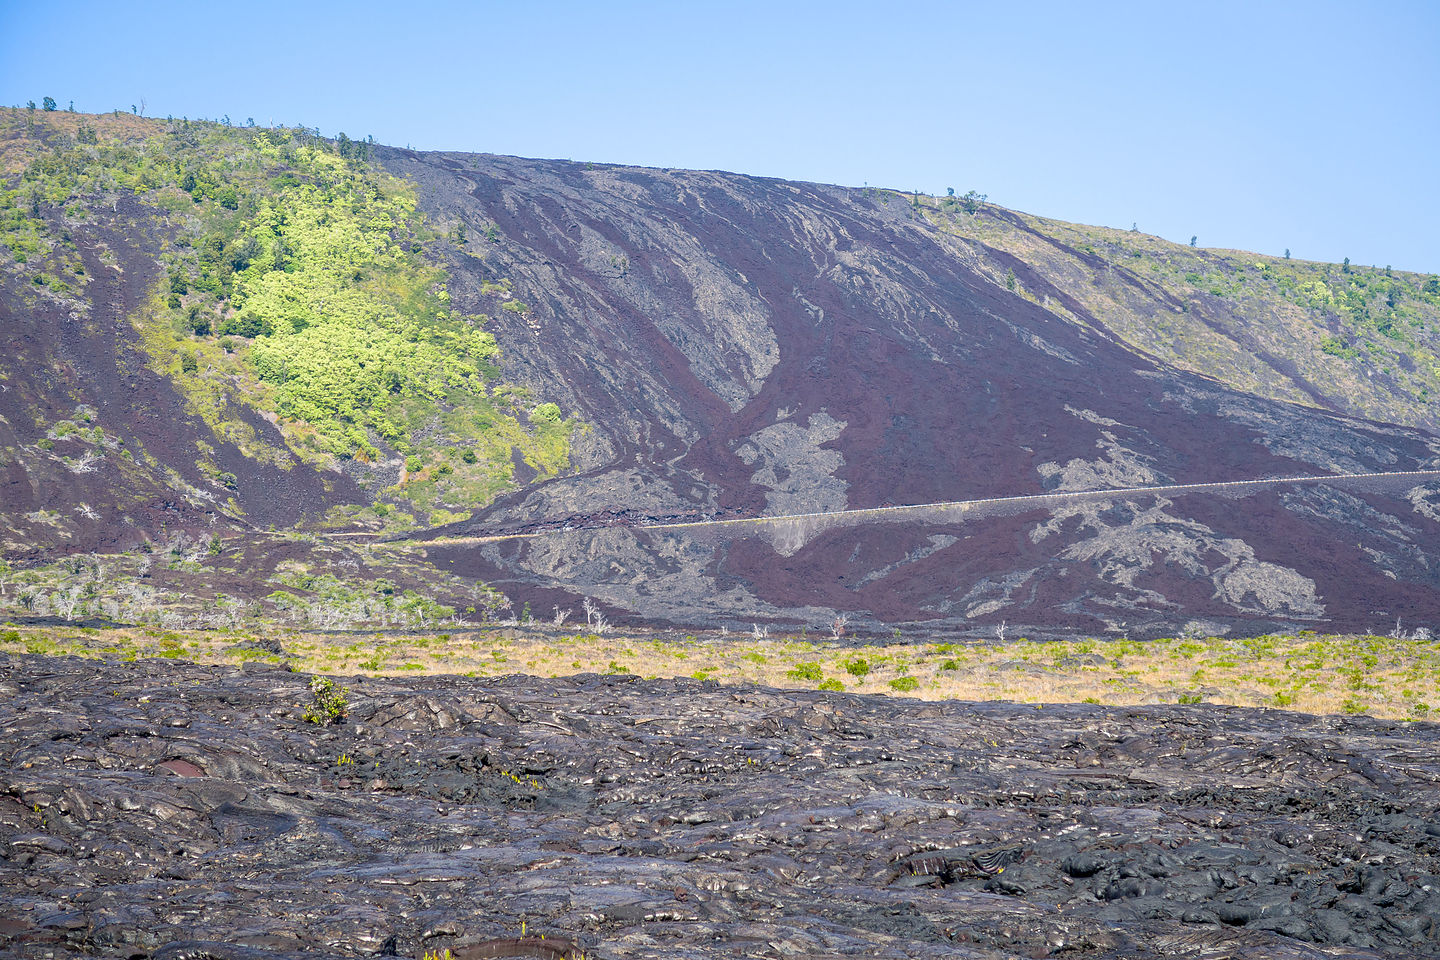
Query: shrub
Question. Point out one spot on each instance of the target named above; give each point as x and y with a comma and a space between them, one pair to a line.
857, 667
831, 684
904, 684
247, 325
805, 671
328, 702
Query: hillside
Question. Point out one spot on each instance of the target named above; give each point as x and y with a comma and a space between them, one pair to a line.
1363, 341
264, 336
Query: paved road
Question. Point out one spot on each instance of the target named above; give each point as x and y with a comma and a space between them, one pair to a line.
1034, 500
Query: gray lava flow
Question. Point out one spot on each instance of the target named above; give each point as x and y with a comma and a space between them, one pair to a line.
180, 812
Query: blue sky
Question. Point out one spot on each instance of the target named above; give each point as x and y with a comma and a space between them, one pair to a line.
1264, 126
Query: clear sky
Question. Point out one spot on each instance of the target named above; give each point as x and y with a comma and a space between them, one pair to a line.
1313, 126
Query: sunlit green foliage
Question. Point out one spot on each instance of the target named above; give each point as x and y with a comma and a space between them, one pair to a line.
296, 286
350, 324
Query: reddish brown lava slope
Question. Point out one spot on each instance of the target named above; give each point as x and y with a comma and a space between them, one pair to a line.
744, 346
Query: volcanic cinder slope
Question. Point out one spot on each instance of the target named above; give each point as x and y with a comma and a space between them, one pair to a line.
742, 346
735, 347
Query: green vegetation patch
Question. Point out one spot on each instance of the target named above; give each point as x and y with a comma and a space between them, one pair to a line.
295, 286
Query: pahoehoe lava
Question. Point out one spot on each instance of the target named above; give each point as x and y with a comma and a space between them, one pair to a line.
168, 810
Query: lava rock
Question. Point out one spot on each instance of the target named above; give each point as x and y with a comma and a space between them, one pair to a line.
656, 818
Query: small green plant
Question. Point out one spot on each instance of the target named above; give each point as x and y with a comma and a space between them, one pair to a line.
857, 667
1190, 698
831, 684
805, 671
328, 702
904, 684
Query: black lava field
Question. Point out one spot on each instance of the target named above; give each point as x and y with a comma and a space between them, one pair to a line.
160, 809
